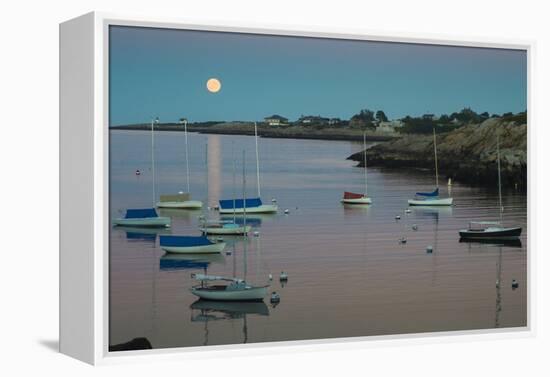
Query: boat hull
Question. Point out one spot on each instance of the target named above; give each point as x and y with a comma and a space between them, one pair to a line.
491, 234
431, 202
188, 204
199, 249
264, 208
221, 230
251, 294
145, 222
356, 201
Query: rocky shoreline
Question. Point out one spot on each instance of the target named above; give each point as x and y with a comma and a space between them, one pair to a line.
467, 154
293, 132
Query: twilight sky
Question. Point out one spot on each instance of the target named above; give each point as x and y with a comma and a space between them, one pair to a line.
161, 72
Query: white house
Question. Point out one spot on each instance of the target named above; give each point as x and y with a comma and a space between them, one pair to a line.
276, 120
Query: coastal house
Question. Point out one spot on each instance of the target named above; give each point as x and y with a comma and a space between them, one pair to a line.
313, 119
334, 121
389, 126
276, 120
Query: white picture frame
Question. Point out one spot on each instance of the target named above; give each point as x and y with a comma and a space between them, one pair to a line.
84, 160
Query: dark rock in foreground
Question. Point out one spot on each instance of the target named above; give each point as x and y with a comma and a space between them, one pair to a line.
467, 154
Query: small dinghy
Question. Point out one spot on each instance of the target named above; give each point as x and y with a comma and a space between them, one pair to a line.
146, 217
351, 197
190, 244
234, 290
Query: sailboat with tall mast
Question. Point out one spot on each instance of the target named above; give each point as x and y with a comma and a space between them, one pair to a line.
227, 227
146, 217
234, 289
431, 198
252, 205
492, 230
181, 199
351, 197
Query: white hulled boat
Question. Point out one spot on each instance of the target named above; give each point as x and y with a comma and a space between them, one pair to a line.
145, 217
353, 198
181, 200
431, 198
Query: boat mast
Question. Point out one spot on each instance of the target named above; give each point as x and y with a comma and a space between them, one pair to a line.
245, 239
435, 154
244, 190
257, 159
365, 158
186, 155
153, 159
234, 184
499, 181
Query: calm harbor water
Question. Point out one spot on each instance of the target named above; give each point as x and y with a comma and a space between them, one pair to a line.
348, 274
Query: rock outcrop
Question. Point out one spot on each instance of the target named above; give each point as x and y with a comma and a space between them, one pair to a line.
467, 154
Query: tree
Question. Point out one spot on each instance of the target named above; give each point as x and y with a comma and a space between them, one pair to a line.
381, 116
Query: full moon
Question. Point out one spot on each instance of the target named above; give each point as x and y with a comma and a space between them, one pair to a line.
213, 85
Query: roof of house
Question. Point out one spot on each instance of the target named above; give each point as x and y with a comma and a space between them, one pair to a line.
275, 116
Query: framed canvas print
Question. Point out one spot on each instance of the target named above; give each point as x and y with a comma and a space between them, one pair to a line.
225, 187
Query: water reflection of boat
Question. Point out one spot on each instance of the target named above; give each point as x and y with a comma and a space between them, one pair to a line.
233, 309
179, 213
142, 234
174, 262
432, 212
516, 242
219, 311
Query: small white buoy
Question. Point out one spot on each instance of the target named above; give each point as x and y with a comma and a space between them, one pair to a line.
138, 172
287, 211
403, 240
408, 210
429, 249
270, 277
398, 217
515, 284
273, 200
414, 227
219, 239
283, 276
256, 233
275, 297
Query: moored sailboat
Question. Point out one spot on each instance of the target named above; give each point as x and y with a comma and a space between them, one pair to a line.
181, 200
353, 198
431, 198
250, 205
190, 244
145, 217
492, 230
